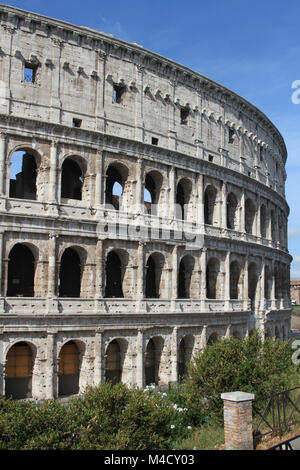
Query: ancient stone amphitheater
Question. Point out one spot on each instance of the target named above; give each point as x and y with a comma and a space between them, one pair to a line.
143, 212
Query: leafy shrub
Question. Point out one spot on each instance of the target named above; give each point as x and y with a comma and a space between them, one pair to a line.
248, 365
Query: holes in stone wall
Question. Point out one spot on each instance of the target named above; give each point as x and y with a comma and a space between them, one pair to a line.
210, 197
69, 368
70, 274
113, 270
231, 211
18, 372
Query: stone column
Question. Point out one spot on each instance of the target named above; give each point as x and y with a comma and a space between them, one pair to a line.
203, 261
140, 359
140, 277
2, 163
258, 219
245, 284
238, 420
227, 280
50, 366
224, 205
98, 362
174, 355
172, 197
139, 186
2, 294
98, 179
53, 173
174, 288
200, 213
52, 266
99, 270
242, 212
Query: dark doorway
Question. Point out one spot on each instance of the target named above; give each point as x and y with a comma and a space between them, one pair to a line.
68, 372
113, 276
23, 183
71, 180
20, 272
113, 370
70, 274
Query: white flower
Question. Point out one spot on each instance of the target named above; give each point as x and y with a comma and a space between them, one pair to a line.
172, 426
189, 427
175, 406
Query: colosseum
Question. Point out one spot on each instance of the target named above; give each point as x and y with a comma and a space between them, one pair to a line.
143, 212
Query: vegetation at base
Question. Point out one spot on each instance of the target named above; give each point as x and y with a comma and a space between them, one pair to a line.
247, 365
188, 416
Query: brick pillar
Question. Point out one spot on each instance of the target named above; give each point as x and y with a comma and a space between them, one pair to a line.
238, 420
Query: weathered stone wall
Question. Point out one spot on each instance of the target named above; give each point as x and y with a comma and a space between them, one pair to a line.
210, 144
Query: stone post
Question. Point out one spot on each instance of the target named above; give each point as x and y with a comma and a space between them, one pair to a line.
2, 162
140, 359
238, 420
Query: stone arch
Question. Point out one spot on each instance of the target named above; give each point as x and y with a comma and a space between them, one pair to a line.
183, 197
154, 184
231, 206
263, 221
250, 212
273, 226
235, 273
24, 170
116, 184
153, 360
116, 266
69, 366
70, 272
210, 198
185, 352
213, 279
213, 338
154, 267
252, 282
20, 360
114, 360
21, 271
185, 271
268, 282
73, 171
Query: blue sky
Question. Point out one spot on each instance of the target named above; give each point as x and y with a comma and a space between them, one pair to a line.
253, 48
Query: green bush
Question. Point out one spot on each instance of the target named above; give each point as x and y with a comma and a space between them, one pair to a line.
105, 417
248, 365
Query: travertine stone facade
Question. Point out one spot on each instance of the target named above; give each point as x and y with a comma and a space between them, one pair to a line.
295, 290
98, 284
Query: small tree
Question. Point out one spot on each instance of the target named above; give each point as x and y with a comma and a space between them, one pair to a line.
248, 365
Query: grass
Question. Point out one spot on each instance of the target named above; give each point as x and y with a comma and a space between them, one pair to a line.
296, 310
208, 437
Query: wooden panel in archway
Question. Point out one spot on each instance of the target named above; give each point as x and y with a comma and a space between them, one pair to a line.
19, 362
69, 360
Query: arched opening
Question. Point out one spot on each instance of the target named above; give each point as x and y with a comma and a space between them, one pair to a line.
252, 283
116, 177
268, 282
152, 360
185, 355
68, 369
235, 272
212, 279
20, 281
277, 334
70, 274
18, 371
210, 197
185, 270
113, 369
113, 287
273, 226
23, 175
153, 276
183, 193
71, 180
249, 216
153, 184
214, 337
231, 211
263, 221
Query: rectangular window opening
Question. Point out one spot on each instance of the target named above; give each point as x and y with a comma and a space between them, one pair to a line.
154, 141
231, 136
184, 112
210, 158
119, 91
77, 122
30, 73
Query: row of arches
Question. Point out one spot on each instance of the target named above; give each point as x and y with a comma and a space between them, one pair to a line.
23, 184
20, 363
21, 276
